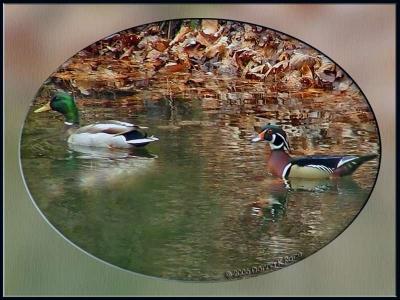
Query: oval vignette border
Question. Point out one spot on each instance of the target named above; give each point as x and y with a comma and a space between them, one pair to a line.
208, 281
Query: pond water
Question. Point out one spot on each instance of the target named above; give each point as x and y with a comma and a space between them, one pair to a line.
199, 202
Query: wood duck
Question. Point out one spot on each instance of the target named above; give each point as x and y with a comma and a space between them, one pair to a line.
311, 167
109, 134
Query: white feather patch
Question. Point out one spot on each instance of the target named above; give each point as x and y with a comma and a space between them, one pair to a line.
345, 160
284, 140
285, 170
98, 140
322, 168
141, 141
274, 147
104, 126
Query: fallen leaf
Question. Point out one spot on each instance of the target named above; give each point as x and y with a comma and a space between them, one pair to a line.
130, 40
127, 53
220, 47
173, 67
209, 27
249, 34
194, 52
299, 59
160, 45
180, 35
112, 49
306, 71
327, 71
147, 42
202, 40
278, 67
284, 56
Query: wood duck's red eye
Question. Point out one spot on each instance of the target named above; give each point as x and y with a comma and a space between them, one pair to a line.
269, 131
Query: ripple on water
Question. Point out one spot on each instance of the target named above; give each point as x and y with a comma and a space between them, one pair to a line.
200, 202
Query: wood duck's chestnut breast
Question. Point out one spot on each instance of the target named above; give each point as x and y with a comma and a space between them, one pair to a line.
277, 162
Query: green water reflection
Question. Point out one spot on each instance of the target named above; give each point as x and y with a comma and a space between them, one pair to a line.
199, 201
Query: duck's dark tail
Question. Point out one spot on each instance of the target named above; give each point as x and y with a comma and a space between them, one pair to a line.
351, 163
138, 139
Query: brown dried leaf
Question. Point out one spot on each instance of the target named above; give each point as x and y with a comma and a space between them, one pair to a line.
209, 27
243, 56
326, 75
112, 49
83, 86
289, 45
306, 71
299, 59
202, 40
284, 56
160, 45
153, 55
269, 51
326, 72
249, 33
259, 69
147, 42
155, 29
180, 35
194, 52
255, 76
278, 67
174, 67
189, 42
250, 65
213, 51
220, 47
306, 82
156, 58
127, 53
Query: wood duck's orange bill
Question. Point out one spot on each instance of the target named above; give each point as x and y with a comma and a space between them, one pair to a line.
45, 107
258, 138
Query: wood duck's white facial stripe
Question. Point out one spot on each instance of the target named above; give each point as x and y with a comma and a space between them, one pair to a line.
272, 145
284, 140
276, 147
68, 123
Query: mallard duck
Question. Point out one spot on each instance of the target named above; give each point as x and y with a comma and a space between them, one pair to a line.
281, 164
110, 134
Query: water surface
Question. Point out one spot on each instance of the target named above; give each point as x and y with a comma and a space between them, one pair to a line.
199, 202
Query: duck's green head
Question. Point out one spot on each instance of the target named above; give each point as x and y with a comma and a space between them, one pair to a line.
64, 104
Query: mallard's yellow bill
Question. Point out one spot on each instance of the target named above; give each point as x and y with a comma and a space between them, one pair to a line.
45, 107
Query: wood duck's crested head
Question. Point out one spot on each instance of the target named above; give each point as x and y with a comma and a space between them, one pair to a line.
63, 103
274, 135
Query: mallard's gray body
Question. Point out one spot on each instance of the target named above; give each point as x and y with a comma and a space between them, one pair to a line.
111, 134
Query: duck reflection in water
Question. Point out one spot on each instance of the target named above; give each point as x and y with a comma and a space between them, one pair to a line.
273, 205
85, 152
104, 167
